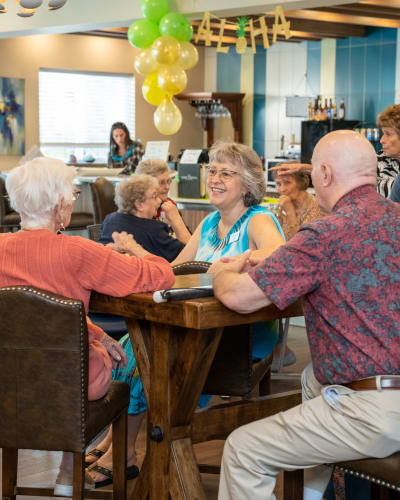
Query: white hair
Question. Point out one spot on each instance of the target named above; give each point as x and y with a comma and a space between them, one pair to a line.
35, 188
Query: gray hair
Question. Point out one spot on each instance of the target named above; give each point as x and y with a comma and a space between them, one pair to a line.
250, 165
134, 189
152, 166
35, 189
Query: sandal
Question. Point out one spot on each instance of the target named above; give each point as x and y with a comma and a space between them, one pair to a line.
131, 473
93, 453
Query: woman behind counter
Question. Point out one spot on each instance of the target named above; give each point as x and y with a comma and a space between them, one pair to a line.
41, 191
124, 152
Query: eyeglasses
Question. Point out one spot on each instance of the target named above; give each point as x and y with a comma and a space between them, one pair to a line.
224, 175
154, 196
165, 182
75, 194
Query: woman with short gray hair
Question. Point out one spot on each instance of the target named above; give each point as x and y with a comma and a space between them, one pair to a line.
137, 199
168, 211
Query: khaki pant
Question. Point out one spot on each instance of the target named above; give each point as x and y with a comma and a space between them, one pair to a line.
332, 424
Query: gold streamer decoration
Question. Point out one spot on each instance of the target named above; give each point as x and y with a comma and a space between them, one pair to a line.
205, 33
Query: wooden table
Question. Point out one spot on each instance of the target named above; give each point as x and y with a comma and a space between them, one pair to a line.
174, 344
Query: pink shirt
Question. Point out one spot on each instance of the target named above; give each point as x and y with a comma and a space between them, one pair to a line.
73, 266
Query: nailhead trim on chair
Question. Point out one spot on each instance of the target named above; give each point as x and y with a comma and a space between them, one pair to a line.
369, 478
71, 302
205, 265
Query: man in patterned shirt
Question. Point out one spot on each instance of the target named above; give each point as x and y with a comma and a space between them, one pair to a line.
347, 267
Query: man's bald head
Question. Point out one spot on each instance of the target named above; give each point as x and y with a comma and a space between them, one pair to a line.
342, 160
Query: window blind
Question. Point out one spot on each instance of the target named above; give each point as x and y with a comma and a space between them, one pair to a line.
78, 108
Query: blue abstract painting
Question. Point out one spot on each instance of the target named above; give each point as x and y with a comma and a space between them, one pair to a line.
12, 116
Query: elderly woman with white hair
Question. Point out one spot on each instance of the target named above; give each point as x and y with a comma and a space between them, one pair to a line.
138, 200
168, 211
42, 192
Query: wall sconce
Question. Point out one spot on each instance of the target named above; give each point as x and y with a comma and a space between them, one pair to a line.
29, 7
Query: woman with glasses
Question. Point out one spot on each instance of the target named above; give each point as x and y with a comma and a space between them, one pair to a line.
138, 200
168, 211
42, 192
236, 187
124, 152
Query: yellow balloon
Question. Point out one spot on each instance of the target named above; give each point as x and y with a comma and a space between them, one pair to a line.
189, 56
151, 91
144, 62
172, 79
165, 50
167, 117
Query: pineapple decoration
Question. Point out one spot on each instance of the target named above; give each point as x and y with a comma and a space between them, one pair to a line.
241, 42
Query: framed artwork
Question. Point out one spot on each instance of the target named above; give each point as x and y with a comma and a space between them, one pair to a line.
12, 116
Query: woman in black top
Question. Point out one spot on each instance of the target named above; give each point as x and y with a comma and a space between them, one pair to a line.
138, 200
124, 152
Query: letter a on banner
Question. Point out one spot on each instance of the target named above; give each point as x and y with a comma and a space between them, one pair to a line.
220, 48
284, 25
255, 32
206, 31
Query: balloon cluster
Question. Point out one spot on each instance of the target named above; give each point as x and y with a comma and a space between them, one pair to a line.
165, 54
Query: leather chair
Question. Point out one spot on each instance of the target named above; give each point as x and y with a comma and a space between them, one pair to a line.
44, 389
382, 473
9, 220
94, 231
232, 373
80, 220
102, 192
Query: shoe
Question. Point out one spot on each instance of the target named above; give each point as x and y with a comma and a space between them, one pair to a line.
94, 453
64, 483
289, 359
131, 473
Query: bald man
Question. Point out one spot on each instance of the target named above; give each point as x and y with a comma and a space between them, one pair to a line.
347, 267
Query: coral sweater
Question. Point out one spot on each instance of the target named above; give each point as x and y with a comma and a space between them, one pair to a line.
73, 266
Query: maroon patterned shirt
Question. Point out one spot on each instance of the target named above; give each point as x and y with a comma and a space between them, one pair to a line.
347, 265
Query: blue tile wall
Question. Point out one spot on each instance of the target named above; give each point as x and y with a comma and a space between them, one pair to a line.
228, 71
260, 76
313, 67
365, 73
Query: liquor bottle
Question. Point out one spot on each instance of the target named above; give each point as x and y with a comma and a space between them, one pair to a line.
316, 109
334, 111
310, 110
342, 110
325, 110
330, 109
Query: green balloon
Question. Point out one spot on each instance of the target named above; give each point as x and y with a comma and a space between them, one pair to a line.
142, 33
188, 32
176, 25
154, 10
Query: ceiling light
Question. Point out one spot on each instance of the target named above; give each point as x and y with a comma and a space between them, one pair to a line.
29, 7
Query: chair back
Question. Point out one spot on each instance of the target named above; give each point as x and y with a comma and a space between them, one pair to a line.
102, 192
232, 371
43, 370
94, 231
8, 217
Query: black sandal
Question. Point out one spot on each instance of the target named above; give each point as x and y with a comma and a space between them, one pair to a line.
94, 453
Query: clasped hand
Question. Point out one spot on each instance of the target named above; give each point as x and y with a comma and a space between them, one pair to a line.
115, 351
238, 264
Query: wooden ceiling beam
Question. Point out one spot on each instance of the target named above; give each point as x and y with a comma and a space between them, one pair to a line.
367, 10
384, 3
313, 29
319, 15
